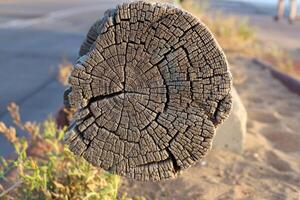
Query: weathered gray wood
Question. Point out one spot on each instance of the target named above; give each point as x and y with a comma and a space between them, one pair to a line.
150, 87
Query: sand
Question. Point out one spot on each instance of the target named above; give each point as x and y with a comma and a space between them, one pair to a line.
269, 168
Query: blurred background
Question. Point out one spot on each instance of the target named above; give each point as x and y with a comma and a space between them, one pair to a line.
260, 159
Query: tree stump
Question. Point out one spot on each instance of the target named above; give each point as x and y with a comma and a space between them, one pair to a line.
150, 87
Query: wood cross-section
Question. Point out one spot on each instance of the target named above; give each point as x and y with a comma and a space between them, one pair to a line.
150, 87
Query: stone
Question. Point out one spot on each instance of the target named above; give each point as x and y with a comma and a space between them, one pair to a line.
231, 134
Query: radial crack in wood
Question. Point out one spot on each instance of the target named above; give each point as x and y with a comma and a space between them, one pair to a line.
150, 87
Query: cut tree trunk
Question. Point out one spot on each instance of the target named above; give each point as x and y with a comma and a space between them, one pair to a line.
150, 87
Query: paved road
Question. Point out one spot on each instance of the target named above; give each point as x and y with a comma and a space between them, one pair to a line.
34, 37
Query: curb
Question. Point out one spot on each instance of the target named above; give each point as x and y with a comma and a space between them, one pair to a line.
289, 82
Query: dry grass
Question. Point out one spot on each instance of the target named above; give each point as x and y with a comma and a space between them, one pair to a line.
236, 36
64, 70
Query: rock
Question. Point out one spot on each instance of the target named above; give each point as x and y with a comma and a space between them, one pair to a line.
231, 134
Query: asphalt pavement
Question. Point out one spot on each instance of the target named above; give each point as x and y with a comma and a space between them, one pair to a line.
35, 36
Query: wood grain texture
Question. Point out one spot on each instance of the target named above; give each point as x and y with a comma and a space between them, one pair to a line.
150, 87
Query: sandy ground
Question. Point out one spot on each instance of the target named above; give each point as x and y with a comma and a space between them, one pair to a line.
269, 168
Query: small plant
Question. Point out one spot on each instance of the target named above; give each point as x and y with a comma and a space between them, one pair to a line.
64, 70
44, 169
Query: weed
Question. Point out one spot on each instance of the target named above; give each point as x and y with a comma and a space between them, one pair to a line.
64, 70
45, 169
